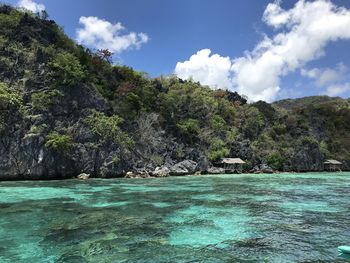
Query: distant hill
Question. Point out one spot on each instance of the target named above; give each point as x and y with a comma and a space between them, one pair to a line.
301, 102
65, 110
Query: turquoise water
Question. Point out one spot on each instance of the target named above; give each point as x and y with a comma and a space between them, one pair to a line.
226, 218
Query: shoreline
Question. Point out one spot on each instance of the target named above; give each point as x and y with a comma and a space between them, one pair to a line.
158, 177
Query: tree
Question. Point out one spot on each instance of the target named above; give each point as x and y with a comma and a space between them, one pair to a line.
105, 54
61, 143
188, 128
44, 100
108, 130
67, 69
217, 150
7, 96
276, 161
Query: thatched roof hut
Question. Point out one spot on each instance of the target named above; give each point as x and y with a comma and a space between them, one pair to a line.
332, 165
232, 165
232, 161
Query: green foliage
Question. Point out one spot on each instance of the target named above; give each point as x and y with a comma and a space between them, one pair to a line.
2, 123
67, 69
46, 99
280, 128
226, 110
188, 128
10, 21
218, 123
61, 143
231, 134
107, 128
309, 140
131, 105
213, 120
324, 148
217, 150
276, 161
157, 159
252, 121
8, 97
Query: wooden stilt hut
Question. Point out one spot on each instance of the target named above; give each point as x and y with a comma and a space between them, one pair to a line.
332, 165
232, 165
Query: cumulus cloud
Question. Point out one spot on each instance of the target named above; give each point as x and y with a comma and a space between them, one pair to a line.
325, 76
302, 34
212, 70
337, 89
101, 34
31, 6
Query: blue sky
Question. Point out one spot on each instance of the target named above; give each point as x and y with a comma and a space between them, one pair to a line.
173, 31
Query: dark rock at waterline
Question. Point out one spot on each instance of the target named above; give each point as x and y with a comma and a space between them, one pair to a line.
161, 171
183, 168
215, 170
83, 176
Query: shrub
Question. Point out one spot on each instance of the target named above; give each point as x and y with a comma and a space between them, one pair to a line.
309, 140
10, 21
276, 161
44, 100
217, 150
280, 128
61, 143
8, 97
67, 69
107, 128
217, 123
188, 128
131, 105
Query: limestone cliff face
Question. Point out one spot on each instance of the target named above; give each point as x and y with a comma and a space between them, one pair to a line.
64, 110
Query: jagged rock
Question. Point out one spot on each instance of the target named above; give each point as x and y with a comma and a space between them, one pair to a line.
137, 174
216, 170
83, 176
184, 167
264, 168
161, 171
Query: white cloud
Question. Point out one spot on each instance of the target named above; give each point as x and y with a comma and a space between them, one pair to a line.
213, 70
101, 34
337, 89
31, 6
302, 34
325, 76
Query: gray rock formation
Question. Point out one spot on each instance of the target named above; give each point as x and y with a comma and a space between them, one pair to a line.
183, 168
161, 171
216, 170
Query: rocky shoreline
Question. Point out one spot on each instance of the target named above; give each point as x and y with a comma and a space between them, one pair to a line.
189, 168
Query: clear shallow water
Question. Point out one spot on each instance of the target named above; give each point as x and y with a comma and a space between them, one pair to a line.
228, 218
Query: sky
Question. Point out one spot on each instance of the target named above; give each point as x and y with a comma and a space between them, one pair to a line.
264, 49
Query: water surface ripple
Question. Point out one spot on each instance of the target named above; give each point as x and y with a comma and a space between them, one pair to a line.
225, 218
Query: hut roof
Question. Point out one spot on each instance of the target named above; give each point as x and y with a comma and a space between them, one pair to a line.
332, 162
232, 161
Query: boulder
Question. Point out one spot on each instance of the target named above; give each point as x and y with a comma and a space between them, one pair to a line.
137, 174
130, 175
161, 171
83, 176
266, 169
184, 167
216, 170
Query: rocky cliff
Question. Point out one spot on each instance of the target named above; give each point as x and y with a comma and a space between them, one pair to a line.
65, 110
